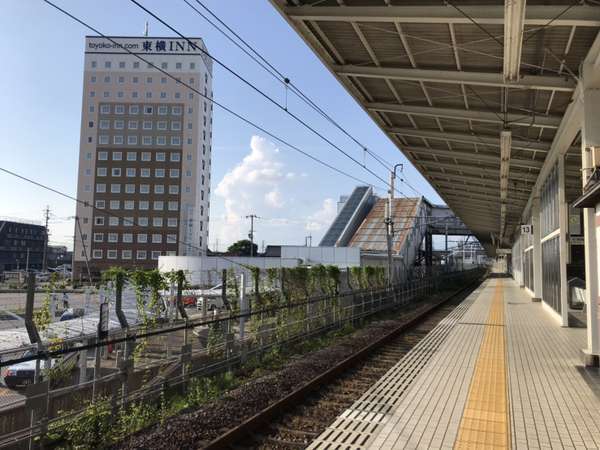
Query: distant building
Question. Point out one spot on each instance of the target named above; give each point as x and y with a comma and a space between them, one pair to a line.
58, 255
21, 245
145, 152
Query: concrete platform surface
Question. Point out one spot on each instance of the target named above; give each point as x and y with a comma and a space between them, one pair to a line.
498, 373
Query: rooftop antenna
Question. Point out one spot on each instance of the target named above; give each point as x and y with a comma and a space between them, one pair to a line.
146, 29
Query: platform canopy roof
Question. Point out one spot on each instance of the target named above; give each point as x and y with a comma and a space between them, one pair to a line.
480, 95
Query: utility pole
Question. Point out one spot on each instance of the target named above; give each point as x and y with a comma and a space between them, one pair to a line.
308, 240
389, 214
251, 234
45, 254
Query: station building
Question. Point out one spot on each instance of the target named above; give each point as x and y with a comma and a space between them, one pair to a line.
496, 104
145, 152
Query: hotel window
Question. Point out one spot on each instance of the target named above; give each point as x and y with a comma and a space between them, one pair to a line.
98, 237
143, 205
144, 188
106, 94
92, 94
191, 95
99, 221
159, 173
177, 95
173, 189
141, 254
128, 221
161, 140
188, 189
175, 156
178, 65
130, 188
147, 125
176, 110
202, 195
131, 156
115, 188
132, 125
157, 238
146, 140
128, 205
157, 206
136, 65
192, 81
172, 222
113, 221
100, 188
100, 204
126, 254
173, 206
162, 110
127, 238
189, 141
115, 204
116, 171
130, 172
107, 64
159, 188
120, 94
160, 156
134, 94
190, 125
175, 140
94, 64
119, 124
188, 173
155, 254
104, 109
174, 173
132, 140
142, 221
164, 65
161, 125
135, 80
145, 172
163, 80
91, 110
88, 156
101, 171
176, 125
149, 80
192, 65
142, 238
157, 222
171, 238
107, 79
146, 156
111, 254
104, 124
148, 110
97, 254
134, 109
163, 95
189, 157
113, 237
148, 94
121, 80
117, 156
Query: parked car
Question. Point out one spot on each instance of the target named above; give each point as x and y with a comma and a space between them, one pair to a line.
20, 374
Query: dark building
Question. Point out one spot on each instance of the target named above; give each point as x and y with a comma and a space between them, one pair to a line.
21, 245
59, 255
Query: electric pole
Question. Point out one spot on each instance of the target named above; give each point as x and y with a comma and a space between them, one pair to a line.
308, 240
389, 214
251, 234
45, 254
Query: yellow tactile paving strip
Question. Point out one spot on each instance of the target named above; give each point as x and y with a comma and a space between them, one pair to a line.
485, 420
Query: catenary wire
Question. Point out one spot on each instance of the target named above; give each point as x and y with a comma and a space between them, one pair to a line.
262, 93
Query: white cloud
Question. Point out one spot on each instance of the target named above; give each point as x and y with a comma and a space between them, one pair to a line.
274, 199
323, 217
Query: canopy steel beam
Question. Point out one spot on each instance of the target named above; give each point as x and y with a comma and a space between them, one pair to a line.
469, 138
489, 172
488, 192
471, 179
473, 156
554, 15
543, 82
462, 114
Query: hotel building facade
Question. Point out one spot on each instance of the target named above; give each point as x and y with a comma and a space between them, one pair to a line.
145, 153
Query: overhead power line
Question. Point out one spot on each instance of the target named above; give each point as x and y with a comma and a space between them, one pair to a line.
262, 93
210, 99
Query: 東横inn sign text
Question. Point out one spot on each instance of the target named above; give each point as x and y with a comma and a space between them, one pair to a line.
143, 45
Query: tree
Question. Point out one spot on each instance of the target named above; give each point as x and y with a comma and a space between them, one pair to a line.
242, 248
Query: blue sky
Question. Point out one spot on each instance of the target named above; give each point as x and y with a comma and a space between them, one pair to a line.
41, 85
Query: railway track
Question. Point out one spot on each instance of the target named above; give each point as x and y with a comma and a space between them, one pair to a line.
296, 420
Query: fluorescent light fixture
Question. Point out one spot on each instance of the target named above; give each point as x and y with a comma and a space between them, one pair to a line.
514, 21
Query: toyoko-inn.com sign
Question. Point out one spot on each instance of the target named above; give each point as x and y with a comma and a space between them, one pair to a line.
143, 45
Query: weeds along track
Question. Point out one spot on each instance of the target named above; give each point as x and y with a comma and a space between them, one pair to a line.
289, 408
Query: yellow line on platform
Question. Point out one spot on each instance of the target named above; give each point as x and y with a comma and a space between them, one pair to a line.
485, 421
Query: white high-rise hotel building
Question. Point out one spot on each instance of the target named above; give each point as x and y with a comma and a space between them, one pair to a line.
145, 153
